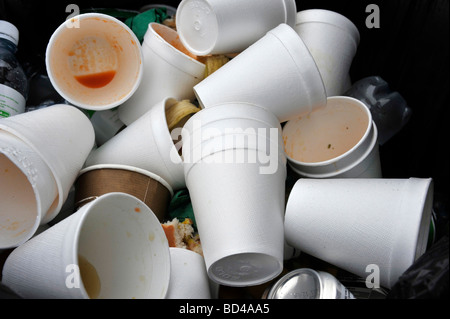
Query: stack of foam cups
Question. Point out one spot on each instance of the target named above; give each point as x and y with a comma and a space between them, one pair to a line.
41, 153
235, 170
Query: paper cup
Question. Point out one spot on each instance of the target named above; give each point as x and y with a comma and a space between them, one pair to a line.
113, 247
332, 40
220, 27
28, 191
277, 73
337, 141
62, 136
238, 206
98, 180
360, 224
146, 144
94, 61
188, 277
169, 70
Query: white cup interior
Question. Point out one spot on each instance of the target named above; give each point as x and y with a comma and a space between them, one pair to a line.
97, 65
122, 250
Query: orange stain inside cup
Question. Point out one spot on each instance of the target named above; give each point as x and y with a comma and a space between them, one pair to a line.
96, 80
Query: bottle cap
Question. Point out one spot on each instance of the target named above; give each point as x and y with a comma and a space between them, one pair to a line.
9, 31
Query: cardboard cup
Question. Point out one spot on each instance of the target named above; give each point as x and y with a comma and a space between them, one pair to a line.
337, 141
188, 277
62, 136
169, 70
238, 207
113, 247
332, 40
98, 180
277, 73
146, 144
360, 224
27, 188
217, 27
94, 61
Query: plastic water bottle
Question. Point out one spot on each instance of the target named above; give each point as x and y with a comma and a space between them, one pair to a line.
13, 80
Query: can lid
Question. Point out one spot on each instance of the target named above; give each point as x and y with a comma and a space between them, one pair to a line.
9, 31
302, 283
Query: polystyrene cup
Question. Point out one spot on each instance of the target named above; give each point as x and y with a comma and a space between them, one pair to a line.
94, 61
146, 144
62, 136
188, 277
277, 73
113, 247
337, 141
377, 227
27, 188
169, 70
220, 27
332, 40
225, 162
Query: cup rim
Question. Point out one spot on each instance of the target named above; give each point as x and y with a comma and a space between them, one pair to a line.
127, 168
87, 209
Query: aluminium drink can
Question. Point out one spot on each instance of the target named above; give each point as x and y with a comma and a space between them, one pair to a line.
306, 283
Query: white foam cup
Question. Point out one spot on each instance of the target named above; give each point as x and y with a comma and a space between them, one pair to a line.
220, 27
27, 188
332, 40
277, 73
62, 136
232, 180
111, 248
188, 277
375, 228
340, 140
169, 70
146, 144
94, 61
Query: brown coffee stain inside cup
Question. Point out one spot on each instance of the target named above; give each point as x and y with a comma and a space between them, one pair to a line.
90, 278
